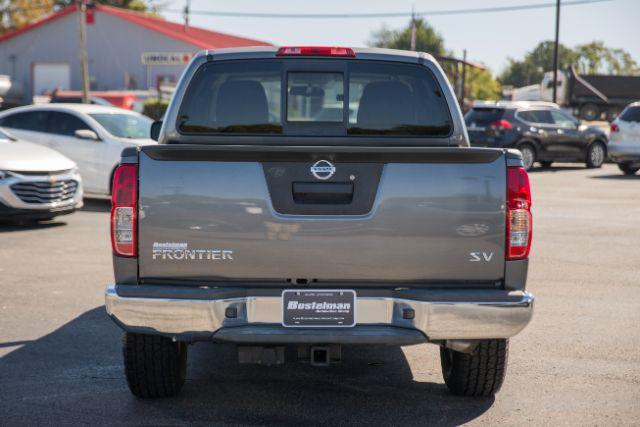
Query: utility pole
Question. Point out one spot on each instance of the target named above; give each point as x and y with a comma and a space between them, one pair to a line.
413, 29
187, 7
555, 52
84, 62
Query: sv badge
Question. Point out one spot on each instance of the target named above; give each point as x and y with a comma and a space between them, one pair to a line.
480, 256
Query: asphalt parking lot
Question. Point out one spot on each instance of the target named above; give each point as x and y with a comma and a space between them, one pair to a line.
577, 363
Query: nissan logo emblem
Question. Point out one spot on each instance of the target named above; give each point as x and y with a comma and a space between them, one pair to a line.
323, 169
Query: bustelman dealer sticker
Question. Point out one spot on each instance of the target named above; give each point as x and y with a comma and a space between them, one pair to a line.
318, 308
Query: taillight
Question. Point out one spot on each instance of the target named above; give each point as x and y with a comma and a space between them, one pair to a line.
124, 204
614, 128
501, 124
315, 51
518, 213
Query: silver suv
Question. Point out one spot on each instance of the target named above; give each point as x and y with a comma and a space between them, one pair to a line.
624, 139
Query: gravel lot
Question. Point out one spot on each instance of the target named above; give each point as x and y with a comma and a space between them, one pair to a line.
577, 363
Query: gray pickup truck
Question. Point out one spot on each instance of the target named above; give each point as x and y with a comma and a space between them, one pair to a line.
305, 198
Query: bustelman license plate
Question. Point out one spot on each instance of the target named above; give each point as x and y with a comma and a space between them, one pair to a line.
318, 308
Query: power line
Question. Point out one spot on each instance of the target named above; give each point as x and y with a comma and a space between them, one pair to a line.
441, 12
387, 14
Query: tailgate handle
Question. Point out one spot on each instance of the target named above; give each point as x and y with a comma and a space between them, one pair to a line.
323, 193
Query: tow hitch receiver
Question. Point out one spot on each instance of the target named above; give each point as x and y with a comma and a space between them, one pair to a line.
320, 355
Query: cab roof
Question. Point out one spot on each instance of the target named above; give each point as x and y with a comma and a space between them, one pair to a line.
262, 52
515, 104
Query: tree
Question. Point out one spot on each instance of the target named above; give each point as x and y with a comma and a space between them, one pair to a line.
590, 58
17, 13
538, 60
427, 39
136, 5
480, 84
595, 58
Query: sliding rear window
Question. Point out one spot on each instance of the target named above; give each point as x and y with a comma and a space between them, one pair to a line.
277, 97
234, 97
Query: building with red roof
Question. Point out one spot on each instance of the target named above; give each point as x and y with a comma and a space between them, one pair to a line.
127, 50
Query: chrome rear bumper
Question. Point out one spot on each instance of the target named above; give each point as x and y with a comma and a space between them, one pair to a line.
438, 319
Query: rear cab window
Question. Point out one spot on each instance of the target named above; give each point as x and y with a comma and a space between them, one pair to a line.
290, 97
631, 114
483, 117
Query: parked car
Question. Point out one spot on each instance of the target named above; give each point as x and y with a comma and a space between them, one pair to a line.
36, 183
93, 136
113, 98
624, 145
5, 85
263, 227
59, 99
540, 130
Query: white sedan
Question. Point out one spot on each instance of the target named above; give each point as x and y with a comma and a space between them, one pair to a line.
93, 136
36, 183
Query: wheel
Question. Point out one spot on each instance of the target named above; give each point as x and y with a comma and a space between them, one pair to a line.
546, 164
154, 366
479, 374
627, 169
590, 112
528, 155
596, 155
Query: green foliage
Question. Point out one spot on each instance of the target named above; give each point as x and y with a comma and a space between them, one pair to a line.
532, 68
136, 5
482, 85
595, 58
18, 13
155, 108
590, 58
427, 39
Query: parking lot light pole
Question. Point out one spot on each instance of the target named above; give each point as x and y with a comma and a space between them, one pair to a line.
84, 63
555, 52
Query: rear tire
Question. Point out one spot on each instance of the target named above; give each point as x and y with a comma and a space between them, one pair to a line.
479, 374
627, 169
528, 155
596, 155
546, 164
590, 112
154, 366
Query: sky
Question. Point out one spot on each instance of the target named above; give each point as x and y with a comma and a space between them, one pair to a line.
489, 38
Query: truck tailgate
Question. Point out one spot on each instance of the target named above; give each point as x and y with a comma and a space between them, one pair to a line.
223, 213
